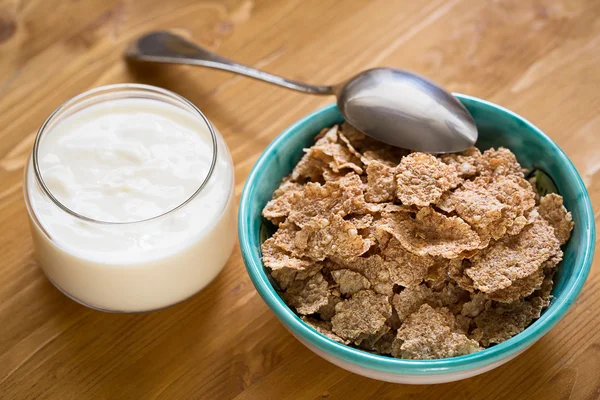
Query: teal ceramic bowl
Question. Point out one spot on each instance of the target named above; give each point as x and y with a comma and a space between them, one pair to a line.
497, 127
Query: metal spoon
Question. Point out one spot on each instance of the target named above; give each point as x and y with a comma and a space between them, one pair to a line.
391, 105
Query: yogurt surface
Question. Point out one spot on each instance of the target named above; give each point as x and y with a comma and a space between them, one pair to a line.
125, 160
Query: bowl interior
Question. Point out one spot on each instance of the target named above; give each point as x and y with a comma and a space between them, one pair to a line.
497, 127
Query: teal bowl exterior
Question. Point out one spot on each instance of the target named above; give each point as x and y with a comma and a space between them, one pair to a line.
497, 127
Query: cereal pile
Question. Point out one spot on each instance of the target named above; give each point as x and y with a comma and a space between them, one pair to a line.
409, 254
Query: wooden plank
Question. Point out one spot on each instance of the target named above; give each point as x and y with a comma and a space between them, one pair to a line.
537, 57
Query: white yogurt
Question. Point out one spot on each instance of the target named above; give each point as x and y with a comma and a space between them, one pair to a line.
123, 161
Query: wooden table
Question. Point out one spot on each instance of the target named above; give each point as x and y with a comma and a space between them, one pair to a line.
539, 58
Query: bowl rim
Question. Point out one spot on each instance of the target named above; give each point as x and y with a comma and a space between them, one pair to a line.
254, 266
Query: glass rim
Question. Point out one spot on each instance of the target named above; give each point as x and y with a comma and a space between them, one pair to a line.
107, 89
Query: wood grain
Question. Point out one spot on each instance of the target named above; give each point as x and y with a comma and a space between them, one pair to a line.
540, 58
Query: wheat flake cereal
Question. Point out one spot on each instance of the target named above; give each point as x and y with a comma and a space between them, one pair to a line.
479, 208
381, 183
439, 272
503, 321
410, 300
308, 169
350, 282
334, 237
513, 257
342, 197
361, 221
362, 315
307, 295
475, 306
466, 163
406, 269
324, 328
552, 210
423, 178
280, 207
514, 192
327, 311
545, 291
412, 255
336, 155
327, 158
500, 162
276, 258
429, 334
432, 233
519, 288
382, 345
285, 276
373, 267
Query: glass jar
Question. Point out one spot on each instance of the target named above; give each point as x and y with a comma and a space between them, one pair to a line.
140, 264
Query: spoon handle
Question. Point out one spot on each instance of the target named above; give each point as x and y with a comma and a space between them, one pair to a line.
166, 47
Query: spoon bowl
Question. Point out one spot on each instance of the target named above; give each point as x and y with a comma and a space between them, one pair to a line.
406, 110
391, 105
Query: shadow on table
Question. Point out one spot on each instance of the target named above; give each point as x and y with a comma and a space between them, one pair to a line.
184, 80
